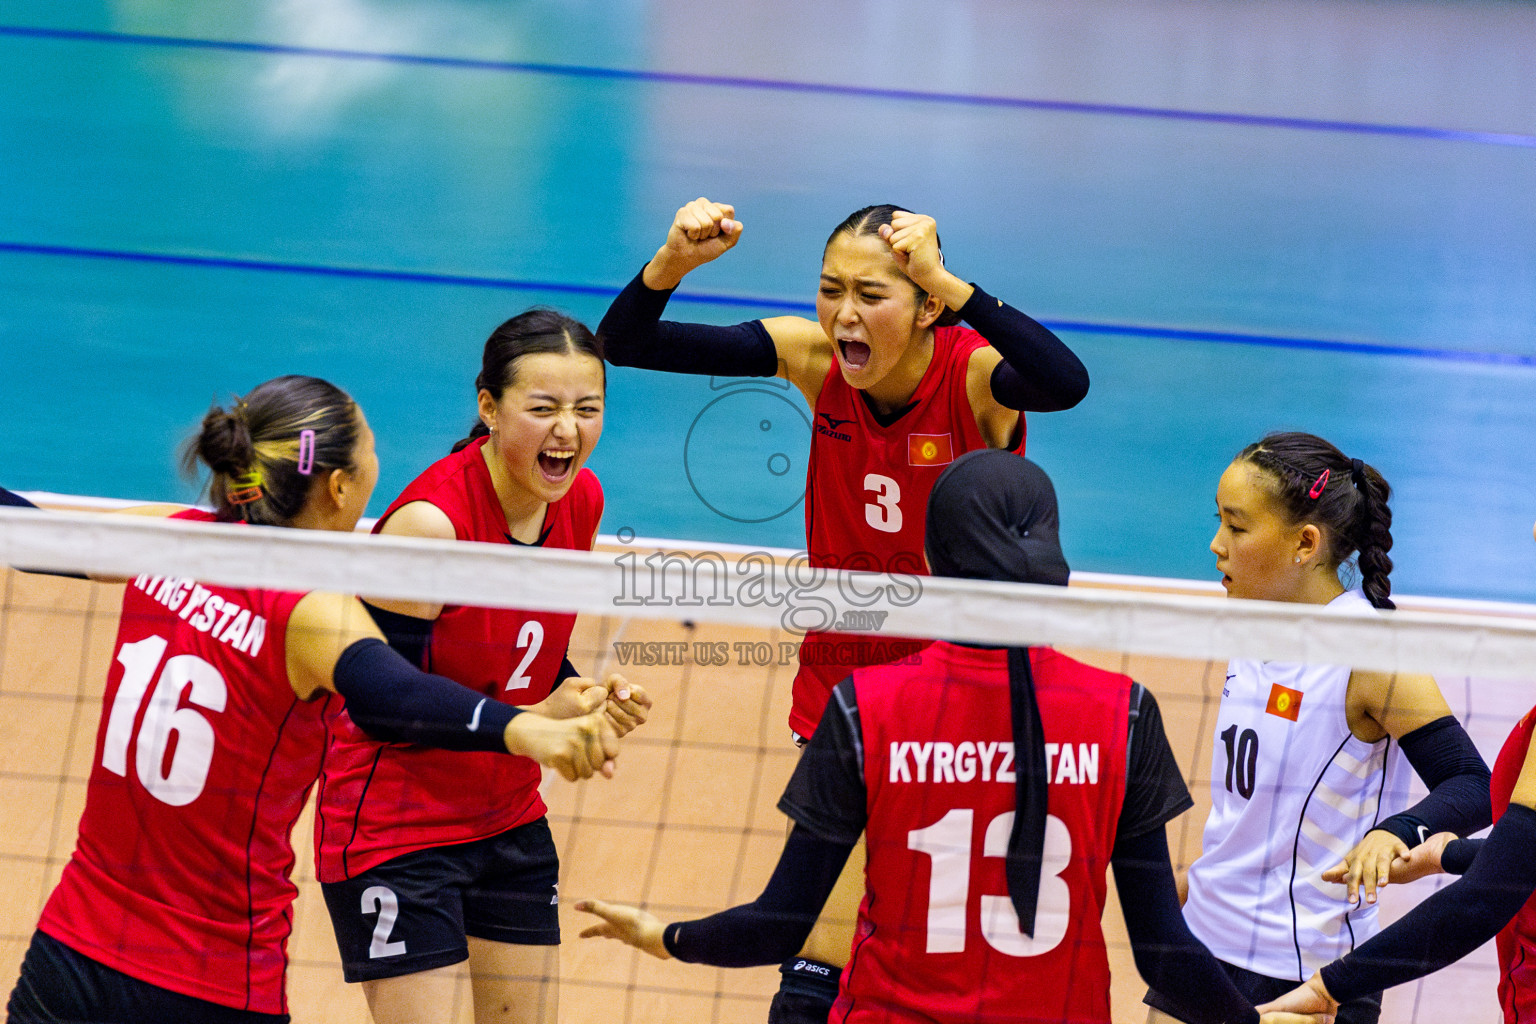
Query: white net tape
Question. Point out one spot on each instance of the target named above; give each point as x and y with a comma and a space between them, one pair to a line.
758, 590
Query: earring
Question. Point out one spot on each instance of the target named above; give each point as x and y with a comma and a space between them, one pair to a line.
1298, 559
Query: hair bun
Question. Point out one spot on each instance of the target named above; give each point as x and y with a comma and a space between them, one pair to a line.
224, 443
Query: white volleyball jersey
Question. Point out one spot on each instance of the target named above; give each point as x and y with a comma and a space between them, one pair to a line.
1293, 790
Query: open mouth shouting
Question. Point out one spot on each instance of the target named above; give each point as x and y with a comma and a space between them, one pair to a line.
555, 464
855, 354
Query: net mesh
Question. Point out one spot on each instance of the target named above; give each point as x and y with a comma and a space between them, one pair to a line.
690, 824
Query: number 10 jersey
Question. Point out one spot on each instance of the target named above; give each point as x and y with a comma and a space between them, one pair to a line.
1292, 791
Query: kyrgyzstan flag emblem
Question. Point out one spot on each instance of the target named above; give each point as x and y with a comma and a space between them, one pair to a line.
1284, 701
929, 450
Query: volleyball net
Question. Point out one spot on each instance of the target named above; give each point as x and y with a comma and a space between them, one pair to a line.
690, 824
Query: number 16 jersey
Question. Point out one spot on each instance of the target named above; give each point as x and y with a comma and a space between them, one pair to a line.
203, 760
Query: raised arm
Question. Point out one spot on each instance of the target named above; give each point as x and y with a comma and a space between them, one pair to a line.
633, 333
1033, 370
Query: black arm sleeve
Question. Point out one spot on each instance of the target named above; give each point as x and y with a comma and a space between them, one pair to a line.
1038, 372
633, 334
405, 633
394, 702
1155, 792
826, 793
567, 671
776, 924
1458, 855
1457, 776
1452, 922
1171, 960
15, 500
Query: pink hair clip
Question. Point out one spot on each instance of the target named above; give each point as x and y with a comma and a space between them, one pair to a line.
306, 452
1317, 488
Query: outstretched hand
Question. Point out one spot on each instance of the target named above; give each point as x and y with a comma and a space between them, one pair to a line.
1369, 865
701, 231
577, 748
629, 925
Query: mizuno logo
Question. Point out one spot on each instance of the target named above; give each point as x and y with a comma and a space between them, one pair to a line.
832, 421
474, 722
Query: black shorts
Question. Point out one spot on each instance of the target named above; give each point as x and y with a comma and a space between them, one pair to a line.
412, 913
59, 985
1260, 988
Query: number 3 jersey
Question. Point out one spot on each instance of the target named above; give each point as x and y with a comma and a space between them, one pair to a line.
380, 800
866, 499
204, 758
920, 757
1292, 791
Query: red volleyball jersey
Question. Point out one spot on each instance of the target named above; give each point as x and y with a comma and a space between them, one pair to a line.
866, 495
204, 758
1516, 940
937, 936
380, 800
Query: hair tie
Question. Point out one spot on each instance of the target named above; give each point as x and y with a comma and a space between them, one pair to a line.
246, 489
1357, 473
1317, 487
306, 452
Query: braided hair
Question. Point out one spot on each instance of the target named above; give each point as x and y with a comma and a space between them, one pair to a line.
1314, 482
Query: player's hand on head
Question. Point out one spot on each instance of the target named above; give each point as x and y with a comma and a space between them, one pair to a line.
577, 748
1368, 866
630, 925
914, 241
1423, 859
1307, 1003
628, 705
701, 231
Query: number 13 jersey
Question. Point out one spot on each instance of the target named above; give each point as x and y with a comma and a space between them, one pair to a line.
204, 758
937, 936
1292, 791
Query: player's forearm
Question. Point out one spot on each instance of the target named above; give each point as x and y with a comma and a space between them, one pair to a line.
1039, 373
1457, 776
775, 925
1452, 922
633, 334
393, 701
1171, 960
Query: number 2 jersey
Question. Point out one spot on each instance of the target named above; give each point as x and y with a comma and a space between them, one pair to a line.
1293, 791
937, 937
380, 800
866, 499
204, 758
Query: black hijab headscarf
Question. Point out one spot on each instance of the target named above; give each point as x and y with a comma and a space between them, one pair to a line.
992, 516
